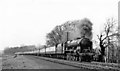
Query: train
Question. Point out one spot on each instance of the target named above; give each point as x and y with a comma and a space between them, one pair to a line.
79, 49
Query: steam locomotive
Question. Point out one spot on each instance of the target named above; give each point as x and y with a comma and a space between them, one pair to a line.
79, 49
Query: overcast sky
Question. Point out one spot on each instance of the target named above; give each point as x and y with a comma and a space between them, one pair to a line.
28, 21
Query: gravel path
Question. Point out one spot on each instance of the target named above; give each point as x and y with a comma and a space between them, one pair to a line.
19, 62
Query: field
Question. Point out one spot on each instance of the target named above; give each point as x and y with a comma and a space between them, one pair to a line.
19, 62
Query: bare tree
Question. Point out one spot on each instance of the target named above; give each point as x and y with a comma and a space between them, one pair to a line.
55, 36
105, 36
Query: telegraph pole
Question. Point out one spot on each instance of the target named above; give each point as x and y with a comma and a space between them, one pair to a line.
45, 49
39, 50
119, 31
67, 36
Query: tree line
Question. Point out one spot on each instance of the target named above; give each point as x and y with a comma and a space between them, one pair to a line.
13, 50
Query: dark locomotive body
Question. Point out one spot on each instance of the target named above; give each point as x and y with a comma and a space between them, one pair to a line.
79, 49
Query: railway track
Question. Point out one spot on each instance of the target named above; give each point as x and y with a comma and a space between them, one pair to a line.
107, 64
85, 65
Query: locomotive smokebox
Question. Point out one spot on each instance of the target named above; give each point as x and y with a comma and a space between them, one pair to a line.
85, 44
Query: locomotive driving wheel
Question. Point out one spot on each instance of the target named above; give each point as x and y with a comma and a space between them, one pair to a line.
74, 58
69, 57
